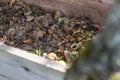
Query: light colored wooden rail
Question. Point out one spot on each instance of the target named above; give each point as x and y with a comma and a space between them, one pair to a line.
16, 64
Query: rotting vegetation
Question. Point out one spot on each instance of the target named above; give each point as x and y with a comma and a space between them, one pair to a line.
47, 34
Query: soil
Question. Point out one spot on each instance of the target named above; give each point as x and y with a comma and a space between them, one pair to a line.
31, 28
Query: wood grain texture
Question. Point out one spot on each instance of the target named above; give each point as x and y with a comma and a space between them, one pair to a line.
16, 64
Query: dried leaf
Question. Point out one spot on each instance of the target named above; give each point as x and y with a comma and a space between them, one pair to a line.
11, 43
78, 38
11, 33
76, 32
29, 27
20, 35
26, 47
3, 39
48, 20
62, 42
60, 33
29, 18
59, 51
67, 29
74, 46
28, 41
72, 22
55, 37
51, 31
70, 38
58, 14
11, 3
38, 33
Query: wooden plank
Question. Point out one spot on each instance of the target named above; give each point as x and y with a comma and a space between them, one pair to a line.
16, 64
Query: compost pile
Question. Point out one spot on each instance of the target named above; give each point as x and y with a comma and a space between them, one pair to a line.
48, 34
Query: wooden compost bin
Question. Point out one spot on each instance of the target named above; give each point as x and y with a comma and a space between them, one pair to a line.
16, 64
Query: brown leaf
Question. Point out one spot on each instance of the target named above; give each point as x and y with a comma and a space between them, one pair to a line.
67, 29
49, 38
59, 51
11, 33
48, 20
62, 42
3, 39
67, 44
78, 38
26, 47
74, 46
76, 32
11, 3
11, 43
60, 33
72, 22
11, 22
29, 18
38, 33
28, 41
27, 11
46, 23
70, 38
58, 14
51, 31
20, 35
55, 37
61, 47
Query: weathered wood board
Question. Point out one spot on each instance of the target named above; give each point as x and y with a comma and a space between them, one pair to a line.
16, 64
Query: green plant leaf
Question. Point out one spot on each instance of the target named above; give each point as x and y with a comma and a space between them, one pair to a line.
63, 20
